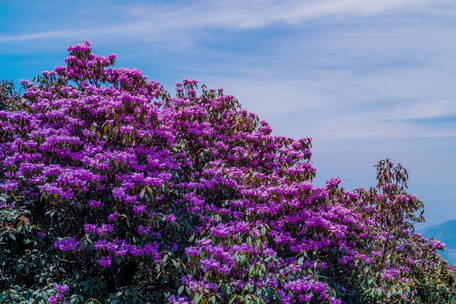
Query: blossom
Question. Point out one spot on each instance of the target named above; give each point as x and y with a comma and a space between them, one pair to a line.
105, 261
104, 229
54, 299
333, 182
94, 203
100, 244
41, 234
113, 216
60, 288
334, 301
390, 273
435, 244
66, 244
139, 208
90, 228
170, 218
9, 185
192, 251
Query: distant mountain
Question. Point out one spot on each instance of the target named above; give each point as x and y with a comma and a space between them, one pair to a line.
445, 232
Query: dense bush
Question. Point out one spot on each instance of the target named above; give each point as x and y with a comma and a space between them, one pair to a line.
115, 192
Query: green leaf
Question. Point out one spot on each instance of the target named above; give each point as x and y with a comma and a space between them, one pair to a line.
197, 298
181, 289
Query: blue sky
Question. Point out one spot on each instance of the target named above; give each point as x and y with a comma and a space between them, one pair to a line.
365, 79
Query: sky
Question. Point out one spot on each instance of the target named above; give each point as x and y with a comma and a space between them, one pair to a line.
366, 79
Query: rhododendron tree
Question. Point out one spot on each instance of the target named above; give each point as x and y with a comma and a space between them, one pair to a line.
114, 191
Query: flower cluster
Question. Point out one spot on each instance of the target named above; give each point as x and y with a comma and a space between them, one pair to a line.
59, 291
196, 190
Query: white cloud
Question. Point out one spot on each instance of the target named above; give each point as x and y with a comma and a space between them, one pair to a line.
425, 110
337, 104
44, 35
259, 13
161, 22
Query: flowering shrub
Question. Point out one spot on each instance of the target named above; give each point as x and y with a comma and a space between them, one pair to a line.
116, 192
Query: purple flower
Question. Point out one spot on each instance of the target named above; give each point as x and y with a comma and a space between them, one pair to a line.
100, 244
94, 203
170, 218
192, 251
390, 273
60, 288
333, 182
90, 228
143, 230
139, 208
113, 216
54, 299
41, 234
345, 260
9, 185
136, 251
66, 244
105, 261
435, 244
104, 229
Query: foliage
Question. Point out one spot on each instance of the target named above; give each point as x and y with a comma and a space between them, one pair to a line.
7, 94
115, 192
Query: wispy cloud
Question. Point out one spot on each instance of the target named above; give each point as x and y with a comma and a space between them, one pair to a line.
162, 21
43, 35
425, 110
